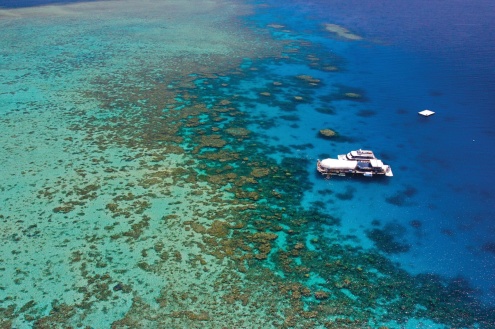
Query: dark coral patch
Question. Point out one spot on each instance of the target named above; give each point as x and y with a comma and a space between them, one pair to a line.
416, 223
489, 247
366, 113
401, 197
347, 195
387, 239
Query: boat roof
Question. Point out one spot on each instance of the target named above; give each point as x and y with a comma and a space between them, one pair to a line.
376, 163
338, 164
362, 153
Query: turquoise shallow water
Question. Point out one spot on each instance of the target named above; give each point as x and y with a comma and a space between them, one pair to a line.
158, 167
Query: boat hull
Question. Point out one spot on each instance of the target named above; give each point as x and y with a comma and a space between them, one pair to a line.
337, 167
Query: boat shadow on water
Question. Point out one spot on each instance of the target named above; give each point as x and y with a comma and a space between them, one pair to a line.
358, 178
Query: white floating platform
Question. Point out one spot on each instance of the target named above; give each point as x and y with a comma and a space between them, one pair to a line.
426, 113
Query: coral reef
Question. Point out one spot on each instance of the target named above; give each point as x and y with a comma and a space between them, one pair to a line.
177, 217
327, 133
342, 32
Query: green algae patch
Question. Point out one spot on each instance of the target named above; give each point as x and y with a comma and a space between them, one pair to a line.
309, 79
88, 192
219, 229
328, 133
348, 93
260, 172
353, 95
201, 316
238, 132
66, 208
214, 141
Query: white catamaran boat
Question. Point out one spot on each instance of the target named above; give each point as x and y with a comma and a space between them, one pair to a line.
362, 162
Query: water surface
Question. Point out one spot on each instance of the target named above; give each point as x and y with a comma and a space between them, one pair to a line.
158, 164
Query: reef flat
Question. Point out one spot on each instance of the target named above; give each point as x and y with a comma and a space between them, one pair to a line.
140, 188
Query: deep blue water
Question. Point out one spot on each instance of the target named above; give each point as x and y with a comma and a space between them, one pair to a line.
414, 55
34, 3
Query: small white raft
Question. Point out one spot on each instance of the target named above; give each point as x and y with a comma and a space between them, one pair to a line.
426, 113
